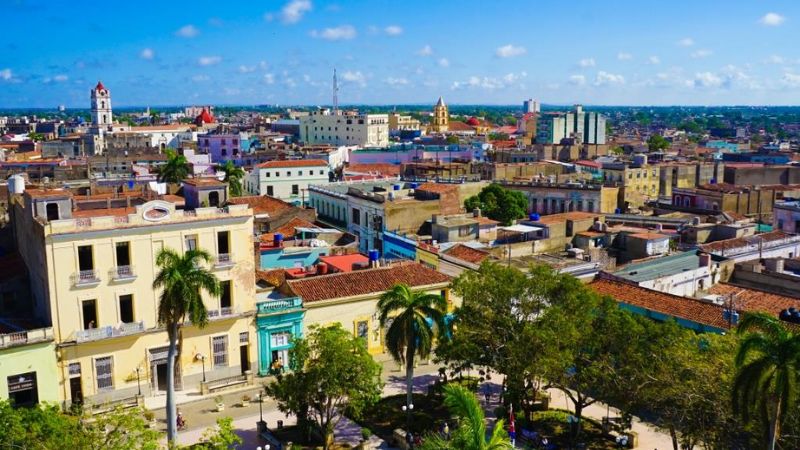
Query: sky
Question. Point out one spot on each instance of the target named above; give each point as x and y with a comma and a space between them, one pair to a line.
612, 52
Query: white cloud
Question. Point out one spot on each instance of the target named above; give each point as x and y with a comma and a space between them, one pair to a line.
586, 62
705, 79
209, 60
393, 30
791, 80
513, 77
269, 78
6, 74
246, 69
60, 78
343, 32
263, 65
488, 83
654, 60
293, 11
443, 62
355, 77
686, 42
425, 51
200, 78
509, 51
772, 19
776, 59
187, 31
604, 78
391, 81
147, 53
622, 56
698, 54
577, 80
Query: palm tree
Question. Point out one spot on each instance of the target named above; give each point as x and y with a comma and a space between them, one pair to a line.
767, 364
233, 176
420, 318
175, 170
181, 279
471, 432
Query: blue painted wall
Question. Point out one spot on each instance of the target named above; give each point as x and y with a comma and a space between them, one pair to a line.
280, 259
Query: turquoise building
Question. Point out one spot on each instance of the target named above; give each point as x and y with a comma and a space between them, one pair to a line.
278, 320
290, 257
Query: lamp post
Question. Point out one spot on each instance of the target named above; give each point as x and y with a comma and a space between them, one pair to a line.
138, 380
407, 409
261, 426
202, 359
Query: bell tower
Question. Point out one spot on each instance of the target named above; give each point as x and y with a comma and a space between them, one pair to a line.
441, 117
101, 107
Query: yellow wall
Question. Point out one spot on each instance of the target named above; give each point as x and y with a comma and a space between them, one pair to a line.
39, 358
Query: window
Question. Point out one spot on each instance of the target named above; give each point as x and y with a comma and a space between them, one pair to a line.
219, 344
85, 259
126, 308
280, 339
103, 368
225, 299
362, 329
224, 152
356, 216
266, 174
464, 230
223, 243
295, 189
244, 337
191, 242
52, 211
270, 191
288, 173
277, 173
300, 173
322, 172
123, 252
89, 309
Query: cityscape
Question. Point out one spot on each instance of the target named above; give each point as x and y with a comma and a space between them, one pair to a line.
318, 225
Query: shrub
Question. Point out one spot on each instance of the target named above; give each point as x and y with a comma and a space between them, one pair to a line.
149, 415
366, 433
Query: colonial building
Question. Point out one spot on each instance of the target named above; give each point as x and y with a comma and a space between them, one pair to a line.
336, 127
286, 180
92, 266
441, 118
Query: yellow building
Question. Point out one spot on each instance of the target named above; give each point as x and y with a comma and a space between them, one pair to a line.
441, 118
399, 122
28, 366
92, 263
351, 298
637, 185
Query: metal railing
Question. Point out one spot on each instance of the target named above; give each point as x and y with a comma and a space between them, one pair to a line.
223, 260
93, 334
26, 337
122, 273
279, 304
85, 277
221, 313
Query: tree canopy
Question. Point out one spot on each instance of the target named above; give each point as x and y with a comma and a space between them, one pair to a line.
656, 142
499, 203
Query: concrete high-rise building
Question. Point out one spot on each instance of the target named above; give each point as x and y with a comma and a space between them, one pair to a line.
588, 127
531, 106
441, 118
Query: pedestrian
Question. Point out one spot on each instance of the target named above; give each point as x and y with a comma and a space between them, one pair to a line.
446, 431
488, 394
409, 440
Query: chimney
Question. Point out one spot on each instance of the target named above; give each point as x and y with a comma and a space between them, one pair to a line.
705, 260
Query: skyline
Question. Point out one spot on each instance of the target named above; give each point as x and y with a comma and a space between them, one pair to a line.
284, 52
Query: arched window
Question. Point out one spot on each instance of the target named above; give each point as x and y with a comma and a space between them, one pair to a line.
103, 105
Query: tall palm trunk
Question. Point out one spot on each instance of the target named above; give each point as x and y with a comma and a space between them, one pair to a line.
409, 375
773, 425
172, 426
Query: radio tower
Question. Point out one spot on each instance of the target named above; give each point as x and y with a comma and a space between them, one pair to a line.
335, 94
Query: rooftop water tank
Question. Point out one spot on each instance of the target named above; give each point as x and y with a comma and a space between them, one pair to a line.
374, 255
533, 217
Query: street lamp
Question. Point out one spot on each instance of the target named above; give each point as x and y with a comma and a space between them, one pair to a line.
202, 359
407, 409
138, 380
261, 426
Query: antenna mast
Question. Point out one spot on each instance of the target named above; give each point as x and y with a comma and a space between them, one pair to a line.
335, 94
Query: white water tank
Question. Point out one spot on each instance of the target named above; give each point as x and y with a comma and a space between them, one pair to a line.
16, 184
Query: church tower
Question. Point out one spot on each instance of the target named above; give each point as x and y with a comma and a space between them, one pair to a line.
101, 107
441, 117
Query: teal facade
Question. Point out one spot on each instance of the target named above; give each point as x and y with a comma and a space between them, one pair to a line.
280, 258
277, 321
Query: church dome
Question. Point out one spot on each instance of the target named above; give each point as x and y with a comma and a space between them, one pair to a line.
204, 117
473, 121
99, 86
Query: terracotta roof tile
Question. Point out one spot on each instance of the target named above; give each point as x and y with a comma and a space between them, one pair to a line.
385, 169
273, 277
287, 229
747, 299
363, 282
437, 187
697, 311
262, 204
293, 163
648, 236
203, 182
467, 254
563, 217
729, 244
47, 193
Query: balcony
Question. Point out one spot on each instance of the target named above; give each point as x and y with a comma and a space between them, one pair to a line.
223, 313
94, 334
85, 278
122, 273
223, 261
279, 305
26, 337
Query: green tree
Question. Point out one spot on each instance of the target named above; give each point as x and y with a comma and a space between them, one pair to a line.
767, 364
471, 432
223, 437
182, 278
656, 142
452, 139
417, 318
233, 176
331, 371
175, 170
36, 137
499, 203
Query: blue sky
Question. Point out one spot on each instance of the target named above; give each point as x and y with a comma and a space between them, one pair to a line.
612, 52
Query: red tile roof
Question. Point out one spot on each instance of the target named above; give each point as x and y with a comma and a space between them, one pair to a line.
437, 187
483, 220
364, 282
287, 229
203, 182
563, 217
344, 263
273, 277
385, 169
697, 311
729, 244
648, 236
47, 193
747, 299
262, 204
455, 125
467, 254
293, 163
